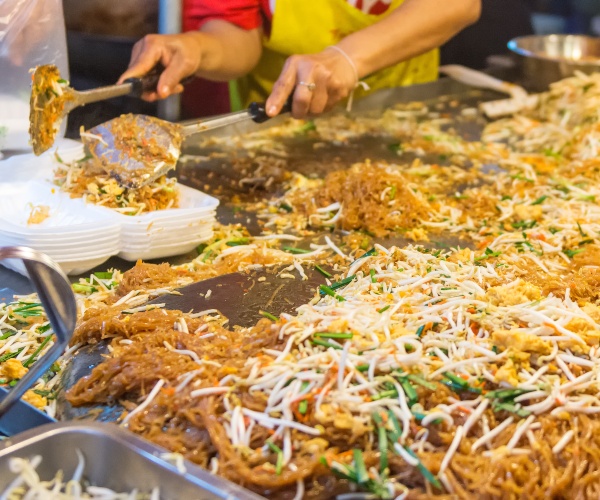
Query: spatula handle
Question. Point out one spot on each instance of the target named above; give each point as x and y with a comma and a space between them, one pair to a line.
259, 113
149, 81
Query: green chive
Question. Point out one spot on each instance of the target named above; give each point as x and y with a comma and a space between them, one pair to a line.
396, 432
506, 393
417, 379
362, 368
325, 344
383, 309
81, 288
328, 291
463, 384
383, 449
572, 253
511, 408
31, 358
303, 407
583, 235
10, 355
286, 207
420, 331
27, 306
322, 271
373, 278
104, 276
393, 192
268, 315
7, 335
540, 200
276, 449
43, 329
342, 283
410, 392
362, 476
334, 335
429, 477
370, 253
238, 242
392, 393
296, 250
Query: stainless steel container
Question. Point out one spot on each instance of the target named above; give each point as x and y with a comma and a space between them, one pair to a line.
549, 58
115, 459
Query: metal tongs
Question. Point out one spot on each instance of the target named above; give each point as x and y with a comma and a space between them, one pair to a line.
137, 149
56, 296
49, 107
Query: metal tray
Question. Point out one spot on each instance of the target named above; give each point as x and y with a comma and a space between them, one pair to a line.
115, 459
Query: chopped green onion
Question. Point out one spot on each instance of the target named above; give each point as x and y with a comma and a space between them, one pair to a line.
572, 253
342, 283
309, 126
8, 334
10, 355
334, 335
296, 250
392, 393
303, 407
456, 380
276, 449
410, 392
31, 358
27, 307
420, 331
362, 476
362, 368
328, 291
583, 235
322, 271
429, 477
81, 288
370, 253
417, 379
540, 200
325, 344
238, 242
383, 309
268, 315
396, 432
506, 393
286, 207
373, 278
511, 408
104, 276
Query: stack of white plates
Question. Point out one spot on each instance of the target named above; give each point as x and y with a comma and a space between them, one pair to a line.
76, 235
80, 236
169, 232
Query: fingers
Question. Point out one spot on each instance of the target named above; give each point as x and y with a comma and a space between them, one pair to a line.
176, 69
144, 56
320, 95
283, 87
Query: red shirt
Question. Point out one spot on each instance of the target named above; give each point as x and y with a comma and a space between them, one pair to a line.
250, 14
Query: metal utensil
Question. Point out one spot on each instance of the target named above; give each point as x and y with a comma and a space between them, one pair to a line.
56, 296
138, 149
547, 59
519, 101
49, 105
114, 458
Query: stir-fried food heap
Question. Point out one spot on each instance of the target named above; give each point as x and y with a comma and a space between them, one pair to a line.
49, 94
413, 372
85, 179
433, 371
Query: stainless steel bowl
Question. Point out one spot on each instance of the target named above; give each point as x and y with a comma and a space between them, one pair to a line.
549, 58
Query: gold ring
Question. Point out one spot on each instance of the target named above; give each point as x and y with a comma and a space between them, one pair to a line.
310, 86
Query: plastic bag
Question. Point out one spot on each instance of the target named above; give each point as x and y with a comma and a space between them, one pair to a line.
32, 32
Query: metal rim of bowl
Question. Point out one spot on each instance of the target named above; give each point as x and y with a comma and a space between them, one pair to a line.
513, 45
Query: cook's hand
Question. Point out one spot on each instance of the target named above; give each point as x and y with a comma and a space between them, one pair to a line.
332, 75
179, 54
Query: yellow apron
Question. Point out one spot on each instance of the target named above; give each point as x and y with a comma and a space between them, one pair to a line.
309, 26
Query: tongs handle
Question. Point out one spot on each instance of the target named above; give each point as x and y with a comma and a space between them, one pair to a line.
149, 81
57, 298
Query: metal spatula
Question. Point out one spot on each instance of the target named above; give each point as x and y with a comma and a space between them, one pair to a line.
56, 296
138, 149
52, 100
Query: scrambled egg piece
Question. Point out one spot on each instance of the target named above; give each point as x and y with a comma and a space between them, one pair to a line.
316, 446
12, 369
35, 399
507, 373
511, 295
417, 234
342, 420
462, 255
585, 331
521, 341
528, 212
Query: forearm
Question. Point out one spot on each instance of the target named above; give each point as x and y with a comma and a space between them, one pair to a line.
414, 28
227, 51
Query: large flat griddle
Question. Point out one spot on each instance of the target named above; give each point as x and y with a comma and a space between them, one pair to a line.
216, 174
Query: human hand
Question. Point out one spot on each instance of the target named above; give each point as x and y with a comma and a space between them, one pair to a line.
331, 74
180, 55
